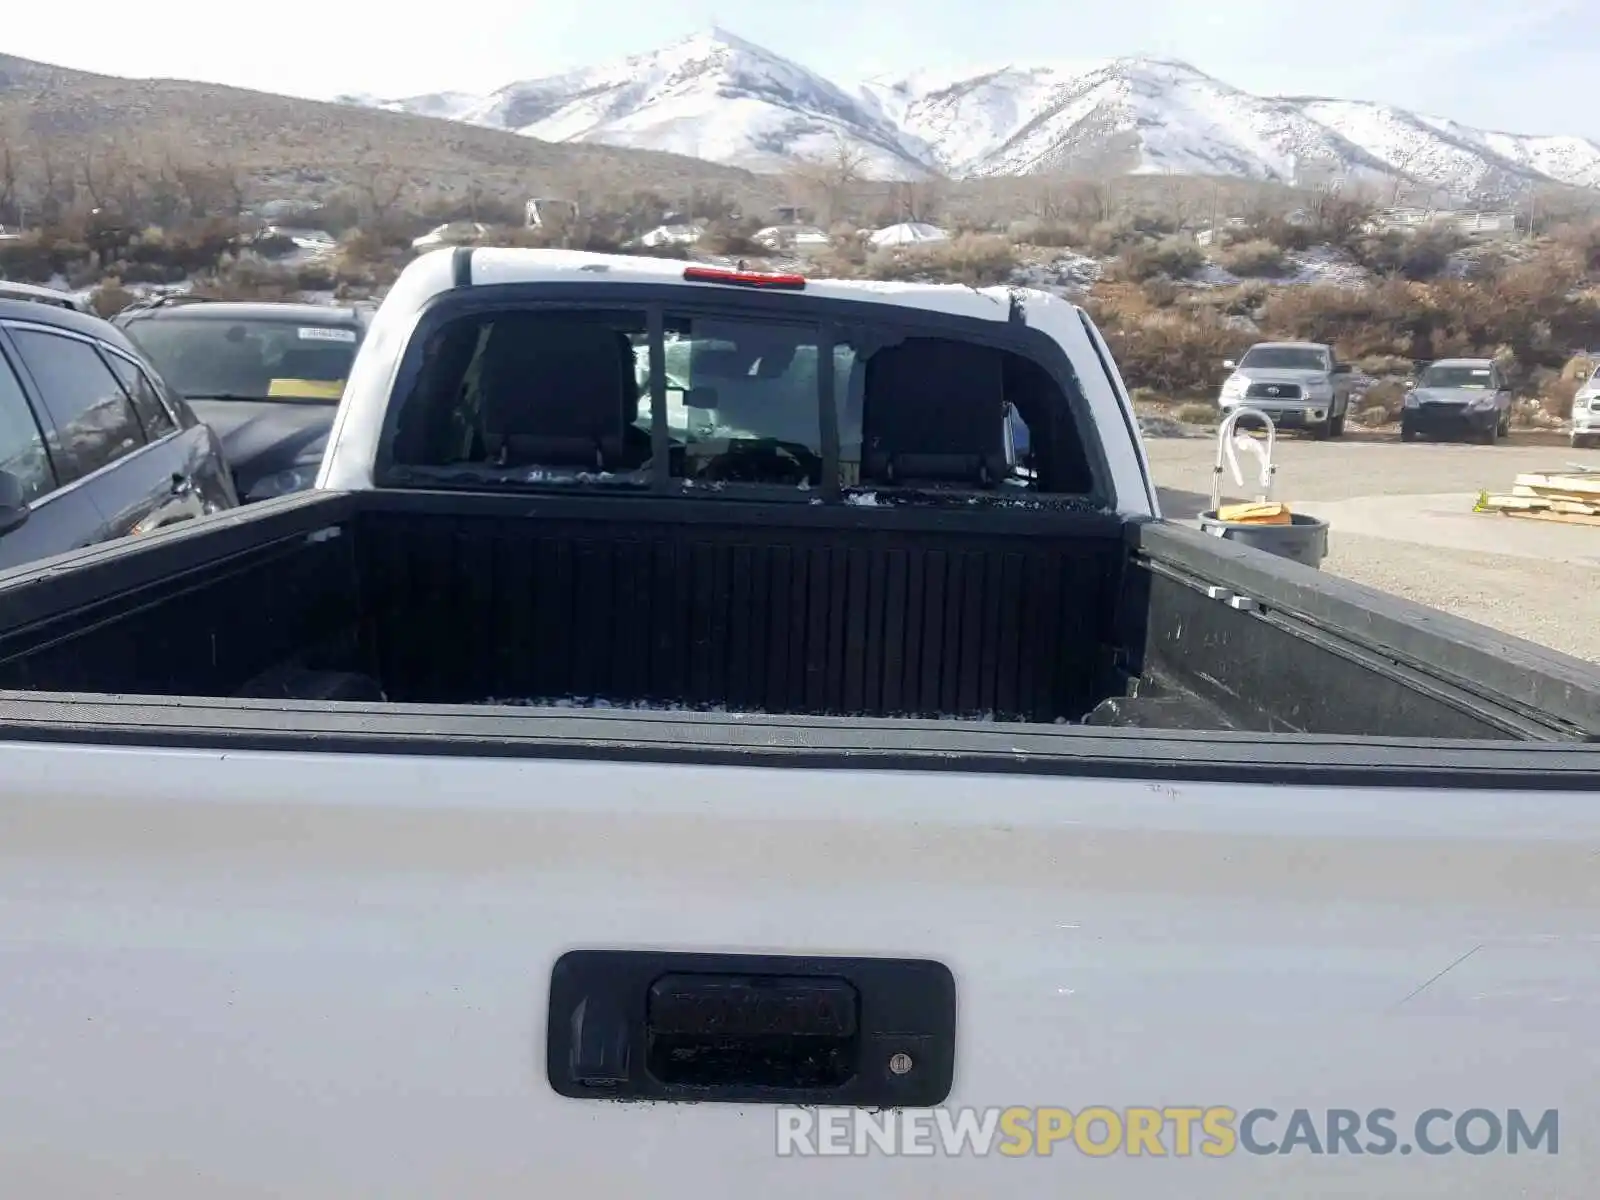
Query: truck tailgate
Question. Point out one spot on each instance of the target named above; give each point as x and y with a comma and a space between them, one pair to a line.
321, 975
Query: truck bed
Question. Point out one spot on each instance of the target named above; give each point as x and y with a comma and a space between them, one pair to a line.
1036, 617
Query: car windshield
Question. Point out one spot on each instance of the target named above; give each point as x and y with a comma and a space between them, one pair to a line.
1287, 358
207, 358
1456, 377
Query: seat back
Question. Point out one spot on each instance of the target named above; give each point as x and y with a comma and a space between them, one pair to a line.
934, 412
555, 394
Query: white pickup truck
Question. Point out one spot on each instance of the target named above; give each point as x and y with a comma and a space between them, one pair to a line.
798, 796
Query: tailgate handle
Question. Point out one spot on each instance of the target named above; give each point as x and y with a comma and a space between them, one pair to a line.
641, 1025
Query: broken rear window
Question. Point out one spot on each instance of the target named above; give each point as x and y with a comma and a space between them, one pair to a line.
546, 397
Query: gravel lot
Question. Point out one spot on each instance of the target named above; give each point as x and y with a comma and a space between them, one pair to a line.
1400, 519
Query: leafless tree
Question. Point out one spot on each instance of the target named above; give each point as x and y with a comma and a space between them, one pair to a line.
9, 192
920, 200
205, 189
828, 180
111, 179
1093, 200
1048, 202
58, 191
382, 185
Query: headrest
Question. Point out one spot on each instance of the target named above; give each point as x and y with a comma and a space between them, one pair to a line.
934, 411
720, 364
931, 396
554, 389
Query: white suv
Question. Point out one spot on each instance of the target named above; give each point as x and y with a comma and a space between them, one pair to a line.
1586, 412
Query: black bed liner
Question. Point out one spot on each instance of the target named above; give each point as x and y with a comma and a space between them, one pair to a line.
1094, 646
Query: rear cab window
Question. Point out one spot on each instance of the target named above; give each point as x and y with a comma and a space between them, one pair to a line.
690, 402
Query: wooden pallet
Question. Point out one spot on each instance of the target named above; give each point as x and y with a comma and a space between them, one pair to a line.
1578, 483
1570, 498
1559, 517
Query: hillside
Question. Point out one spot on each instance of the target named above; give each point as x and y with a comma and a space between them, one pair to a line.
286, 147
721, 97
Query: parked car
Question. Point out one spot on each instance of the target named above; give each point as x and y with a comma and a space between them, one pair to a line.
43, 295
1586, 413
1300, 385
94, 444
266, 376
1456, 397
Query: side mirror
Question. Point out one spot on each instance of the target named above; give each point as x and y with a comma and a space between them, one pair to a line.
1229, 363
13, 503
1342, 368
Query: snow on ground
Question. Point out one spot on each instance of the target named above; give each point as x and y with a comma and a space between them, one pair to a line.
1319, 265
596, 703
1324, 264
907, 233
1067, 274
1211, 275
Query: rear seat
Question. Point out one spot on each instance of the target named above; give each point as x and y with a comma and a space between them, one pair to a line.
555, 395
934, 412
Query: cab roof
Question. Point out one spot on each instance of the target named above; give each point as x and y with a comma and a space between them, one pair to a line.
439, 270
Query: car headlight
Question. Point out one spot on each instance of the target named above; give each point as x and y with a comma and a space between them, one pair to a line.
1410, 400
1482, 403
282, 483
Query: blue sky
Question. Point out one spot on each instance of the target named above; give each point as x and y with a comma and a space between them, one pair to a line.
1530, 67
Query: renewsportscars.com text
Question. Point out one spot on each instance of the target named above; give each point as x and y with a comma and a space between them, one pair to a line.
1167, 1131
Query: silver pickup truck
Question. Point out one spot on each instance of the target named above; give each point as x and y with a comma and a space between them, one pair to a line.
559, 799
1300, 385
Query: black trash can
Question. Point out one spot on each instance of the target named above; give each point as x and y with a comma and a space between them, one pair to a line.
1304, 539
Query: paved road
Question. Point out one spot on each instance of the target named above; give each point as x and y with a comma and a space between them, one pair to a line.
1400, 519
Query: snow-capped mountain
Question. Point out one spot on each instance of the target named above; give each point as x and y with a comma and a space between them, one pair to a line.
450, 106
719, 97
1460, 159
1141, 116
712, 96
